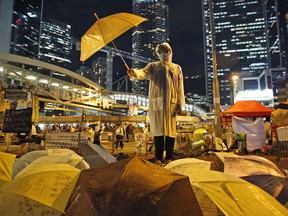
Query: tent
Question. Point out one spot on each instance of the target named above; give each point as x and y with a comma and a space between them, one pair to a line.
247, 108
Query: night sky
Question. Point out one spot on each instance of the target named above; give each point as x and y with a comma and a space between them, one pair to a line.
186, 33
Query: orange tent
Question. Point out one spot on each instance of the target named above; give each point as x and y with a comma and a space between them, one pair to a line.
248, 108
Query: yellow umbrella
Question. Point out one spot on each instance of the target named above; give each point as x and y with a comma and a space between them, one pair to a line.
50, 185
279, 117
185, 164
234, 196
105, 30
72, 159
6, 166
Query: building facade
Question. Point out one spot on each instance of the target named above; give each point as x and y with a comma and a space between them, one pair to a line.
39, 38
246, 39
99, 71
55, 43
25, 33
148, 34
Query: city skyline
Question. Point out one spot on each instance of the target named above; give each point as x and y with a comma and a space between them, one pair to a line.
186, 36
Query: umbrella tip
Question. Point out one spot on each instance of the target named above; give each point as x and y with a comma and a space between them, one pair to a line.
96, 16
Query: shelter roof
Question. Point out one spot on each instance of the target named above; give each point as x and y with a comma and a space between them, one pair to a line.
248, 108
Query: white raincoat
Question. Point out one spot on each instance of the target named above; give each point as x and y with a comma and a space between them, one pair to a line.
166, 90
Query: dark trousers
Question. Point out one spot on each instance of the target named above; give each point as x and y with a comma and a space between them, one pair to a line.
161, 143
119, 139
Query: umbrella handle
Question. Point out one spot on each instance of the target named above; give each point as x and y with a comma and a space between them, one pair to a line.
126, 65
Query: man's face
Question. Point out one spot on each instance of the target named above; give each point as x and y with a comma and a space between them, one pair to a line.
163, 48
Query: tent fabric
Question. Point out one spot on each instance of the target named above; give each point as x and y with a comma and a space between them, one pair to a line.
248, 108
254, 130
241, 125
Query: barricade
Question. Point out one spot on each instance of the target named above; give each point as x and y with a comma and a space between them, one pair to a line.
282, 142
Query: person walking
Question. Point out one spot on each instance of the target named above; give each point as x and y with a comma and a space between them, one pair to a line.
166, 98
119, 132
97, 134
129, 132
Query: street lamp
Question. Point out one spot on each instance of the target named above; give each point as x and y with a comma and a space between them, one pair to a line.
216, 96
235, 78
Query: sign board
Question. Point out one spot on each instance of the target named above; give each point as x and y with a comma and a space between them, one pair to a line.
15, 95
64, 140
18, 121
140, 141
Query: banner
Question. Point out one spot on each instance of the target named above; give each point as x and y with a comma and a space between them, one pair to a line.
140, 141
18, 121
64, 140
133, 109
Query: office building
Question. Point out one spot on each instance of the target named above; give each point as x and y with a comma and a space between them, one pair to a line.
6, 8
148, 34
242, 43
55, 43
25, 33
39, 38
99, 71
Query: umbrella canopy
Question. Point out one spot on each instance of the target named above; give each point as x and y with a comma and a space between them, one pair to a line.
26, 159
46, 187
235, 196
50, 156
6, 165
132, 186
71, 159
261, 172
186, 163
248, 108
96, 155
105, 30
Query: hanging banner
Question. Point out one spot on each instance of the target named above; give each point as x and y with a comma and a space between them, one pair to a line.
133, 109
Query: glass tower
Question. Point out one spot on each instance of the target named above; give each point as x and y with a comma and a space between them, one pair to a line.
242, 45
55, 43
39, 38
99, 71
26, 28
148, 34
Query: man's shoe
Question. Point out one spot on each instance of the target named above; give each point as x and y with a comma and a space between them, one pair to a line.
158, 162
168, 161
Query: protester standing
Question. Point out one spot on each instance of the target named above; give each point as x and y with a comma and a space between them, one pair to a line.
119, 132
166, 98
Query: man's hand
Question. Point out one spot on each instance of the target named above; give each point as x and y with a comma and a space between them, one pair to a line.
131, 73
179, 109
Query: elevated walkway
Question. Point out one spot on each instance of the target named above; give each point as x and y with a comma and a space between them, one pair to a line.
68, 91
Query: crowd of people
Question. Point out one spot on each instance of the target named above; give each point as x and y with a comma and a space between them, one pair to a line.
123, 132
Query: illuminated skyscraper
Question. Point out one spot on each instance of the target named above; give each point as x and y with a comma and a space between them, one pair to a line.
25, 33
99, 71
39, 38
55, 43
242, 43
148, 34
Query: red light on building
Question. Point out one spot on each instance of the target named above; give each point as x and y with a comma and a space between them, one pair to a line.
18, 22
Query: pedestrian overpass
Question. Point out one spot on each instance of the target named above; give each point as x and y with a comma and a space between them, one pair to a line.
74, 95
